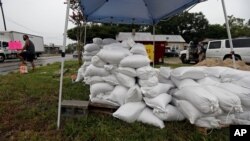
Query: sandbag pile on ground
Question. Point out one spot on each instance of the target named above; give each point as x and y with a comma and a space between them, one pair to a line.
211, 96
120, 74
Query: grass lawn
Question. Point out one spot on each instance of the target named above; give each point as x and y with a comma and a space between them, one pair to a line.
28, 111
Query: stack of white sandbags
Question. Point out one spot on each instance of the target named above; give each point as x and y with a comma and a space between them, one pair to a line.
206, 101
90, 50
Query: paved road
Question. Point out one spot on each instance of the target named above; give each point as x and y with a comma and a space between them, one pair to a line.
13, 65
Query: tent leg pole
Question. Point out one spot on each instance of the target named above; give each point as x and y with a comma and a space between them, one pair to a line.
62, 64
153, 46
85, 33
228, 32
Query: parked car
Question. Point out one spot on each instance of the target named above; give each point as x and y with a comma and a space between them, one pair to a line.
171, 52
221, 49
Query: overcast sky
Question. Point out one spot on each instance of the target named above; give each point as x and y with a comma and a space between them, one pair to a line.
47, 17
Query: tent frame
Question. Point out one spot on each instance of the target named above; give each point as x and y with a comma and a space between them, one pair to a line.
228, 32
62, 64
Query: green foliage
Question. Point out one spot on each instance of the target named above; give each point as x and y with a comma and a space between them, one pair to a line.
216, 31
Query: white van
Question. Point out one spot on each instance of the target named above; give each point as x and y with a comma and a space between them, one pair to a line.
221, 49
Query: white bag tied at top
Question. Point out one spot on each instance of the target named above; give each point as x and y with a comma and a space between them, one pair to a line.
129, 112
148, 117
199, 97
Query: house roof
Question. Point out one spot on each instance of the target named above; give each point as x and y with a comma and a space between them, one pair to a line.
147, 36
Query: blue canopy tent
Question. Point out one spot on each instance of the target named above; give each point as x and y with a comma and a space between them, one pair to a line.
140, 12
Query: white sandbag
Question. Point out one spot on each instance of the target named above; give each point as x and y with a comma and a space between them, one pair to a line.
125, 44
135, 61
158, 102
173, 91
111, 68
87, 58
228, 101
97, 41
244, 82
241, 122
152, 81
95, 71
92, 53
230, 75
98, 88
146, 72
241, 92
139, 49
207, 122
85, 64
148, 117
102, 99
96, 61
134, 94
93, 80
170, 113
209, 81
188, 73
113, 56
216, 71
118, 95
80, 75
244, 116
127, 71
107, 41
91, 47
114, 46
111, 79
125, 80
188, 110
165, 72
165, 81
129, 112
226, 119
129, 42
152, 92
199, 97
184, 83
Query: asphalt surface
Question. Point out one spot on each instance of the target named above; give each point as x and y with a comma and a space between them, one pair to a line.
13, 65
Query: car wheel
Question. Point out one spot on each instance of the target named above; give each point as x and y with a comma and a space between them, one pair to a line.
2, 58
184, 60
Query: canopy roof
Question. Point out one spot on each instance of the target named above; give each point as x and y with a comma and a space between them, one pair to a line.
148, 12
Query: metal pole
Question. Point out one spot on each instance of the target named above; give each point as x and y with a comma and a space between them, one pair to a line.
228, 33
62, 64
153, 46
1, 4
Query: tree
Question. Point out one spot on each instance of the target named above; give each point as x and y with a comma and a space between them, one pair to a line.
190, 25
77, 19
102, 31
216, 31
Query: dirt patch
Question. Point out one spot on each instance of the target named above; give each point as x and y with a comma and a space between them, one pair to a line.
226, 63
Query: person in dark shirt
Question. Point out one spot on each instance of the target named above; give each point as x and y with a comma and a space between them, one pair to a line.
28, 52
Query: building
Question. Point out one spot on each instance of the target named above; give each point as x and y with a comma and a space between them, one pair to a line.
172, 41
162, 42
52, 49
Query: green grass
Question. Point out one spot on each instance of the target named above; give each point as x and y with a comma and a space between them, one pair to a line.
28, 111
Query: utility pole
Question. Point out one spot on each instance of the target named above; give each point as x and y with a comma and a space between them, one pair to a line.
1, 4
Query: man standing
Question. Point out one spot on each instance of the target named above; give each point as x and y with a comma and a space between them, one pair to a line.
28, 52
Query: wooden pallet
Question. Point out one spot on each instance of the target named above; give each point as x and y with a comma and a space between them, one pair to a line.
102, 108
205, 131
74, 108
